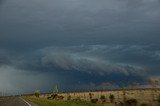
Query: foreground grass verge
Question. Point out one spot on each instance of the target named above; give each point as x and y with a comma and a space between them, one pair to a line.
46, 102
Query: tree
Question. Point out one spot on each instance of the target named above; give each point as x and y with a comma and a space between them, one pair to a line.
103, 98
111, 97
37, 93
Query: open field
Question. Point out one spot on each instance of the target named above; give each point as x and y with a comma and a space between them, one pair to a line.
46, 102
149, 97
139, 97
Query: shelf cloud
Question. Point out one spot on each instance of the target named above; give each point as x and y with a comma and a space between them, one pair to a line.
83, 41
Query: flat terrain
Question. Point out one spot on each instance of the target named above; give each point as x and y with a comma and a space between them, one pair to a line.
46, 102
14, 101
149, 97
142, 96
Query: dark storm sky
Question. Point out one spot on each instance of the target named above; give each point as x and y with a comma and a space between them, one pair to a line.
69, 42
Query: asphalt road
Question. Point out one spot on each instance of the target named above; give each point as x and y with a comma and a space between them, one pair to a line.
14, 101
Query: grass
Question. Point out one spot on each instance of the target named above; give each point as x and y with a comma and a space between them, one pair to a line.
46, 102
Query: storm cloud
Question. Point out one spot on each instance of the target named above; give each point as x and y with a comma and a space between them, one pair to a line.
87, 22
84, 40
89, 61
55, 64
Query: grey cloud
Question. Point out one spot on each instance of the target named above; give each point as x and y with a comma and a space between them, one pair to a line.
58, 63
1, 1
4, 61
93, 86
102, 59
13, 81
4, 58
89, 60
87, 22
83, 36
157, 55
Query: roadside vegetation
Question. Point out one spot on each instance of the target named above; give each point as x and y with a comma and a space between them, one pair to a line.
37, 93
89, 99
51, 102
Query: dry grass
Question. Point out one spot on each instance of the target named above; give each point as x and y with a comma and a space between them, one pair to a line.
46, 102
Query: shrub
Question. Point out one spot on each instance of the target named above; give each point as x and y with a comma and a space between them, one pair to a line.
54, 96
69, 97
111, 97
143, 104
60, 97
158, 99
94, 100
131, 102
49, 97
77, 99
103, 98
90, 95
37, 93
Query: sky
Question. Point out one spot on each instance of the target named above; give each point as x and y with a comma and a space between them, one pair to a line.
77, 44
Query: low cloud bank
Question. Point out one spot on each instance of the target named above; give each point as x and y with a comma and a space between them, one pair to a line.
36, 69
77, 62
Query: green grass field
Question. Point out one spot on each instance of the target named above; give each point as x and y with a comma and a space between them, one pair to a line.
46, 102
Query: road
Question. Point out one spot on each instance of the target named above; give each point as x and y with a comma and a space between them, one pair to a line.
14, 101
